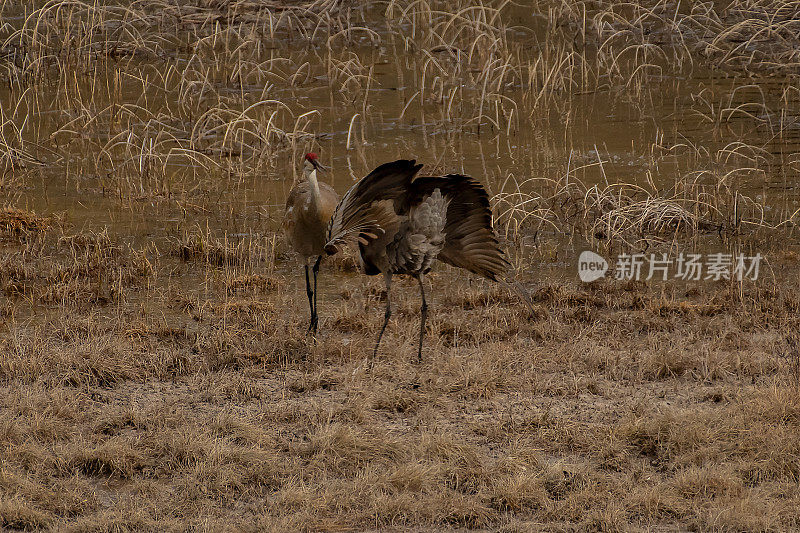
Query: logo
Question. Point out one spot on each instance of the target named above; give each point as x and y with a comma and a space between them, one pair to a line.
591, 266
686, 267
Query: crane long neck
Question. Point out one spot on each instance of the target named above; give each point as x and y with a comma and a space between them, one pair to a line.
311, 176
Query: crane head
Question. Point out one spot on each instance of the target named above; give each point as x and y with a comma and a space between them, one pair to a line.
313, 158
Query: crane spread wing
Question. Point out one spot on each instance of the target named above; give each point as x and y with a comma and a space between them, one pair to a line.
470, 241
368, 207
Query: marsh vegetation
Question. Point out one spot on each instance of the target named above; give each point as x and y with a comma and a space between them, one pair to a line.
155, 373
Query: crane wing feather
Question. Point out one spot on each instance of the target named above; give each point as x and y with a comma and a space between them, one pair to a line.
377, 202
368, 207
470, 240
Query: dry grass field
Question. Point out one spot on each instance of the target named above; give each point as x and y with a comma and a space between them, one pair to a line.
155, 372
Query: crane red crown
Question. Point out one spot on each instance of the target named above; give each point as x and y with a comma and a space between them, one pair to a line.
311, 156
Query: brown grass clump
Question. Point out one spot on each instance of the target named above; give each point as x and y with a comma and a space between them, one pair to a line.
623, 405
17, 221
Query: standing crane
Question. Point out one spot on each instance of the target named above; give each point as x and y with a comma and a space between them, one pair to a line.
308, 209
402, 225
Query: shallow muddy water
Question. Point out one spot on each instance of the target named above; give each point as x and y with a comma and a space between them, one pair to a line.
150, 123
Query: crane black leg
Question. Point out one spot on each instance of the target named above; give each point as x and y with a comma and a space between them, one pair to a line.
423, 315
315, 314
387, 314
310, 299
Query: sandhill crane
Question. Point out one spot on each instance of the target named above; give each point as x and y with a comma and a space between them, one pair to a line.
402, 225
308, 209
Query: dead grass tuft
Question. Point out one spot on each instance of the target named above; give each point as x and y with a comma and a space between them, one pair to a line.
18, 221
19, 515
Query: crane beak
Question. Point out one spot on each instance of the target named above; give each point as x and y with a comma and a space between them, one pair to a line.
319, 166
